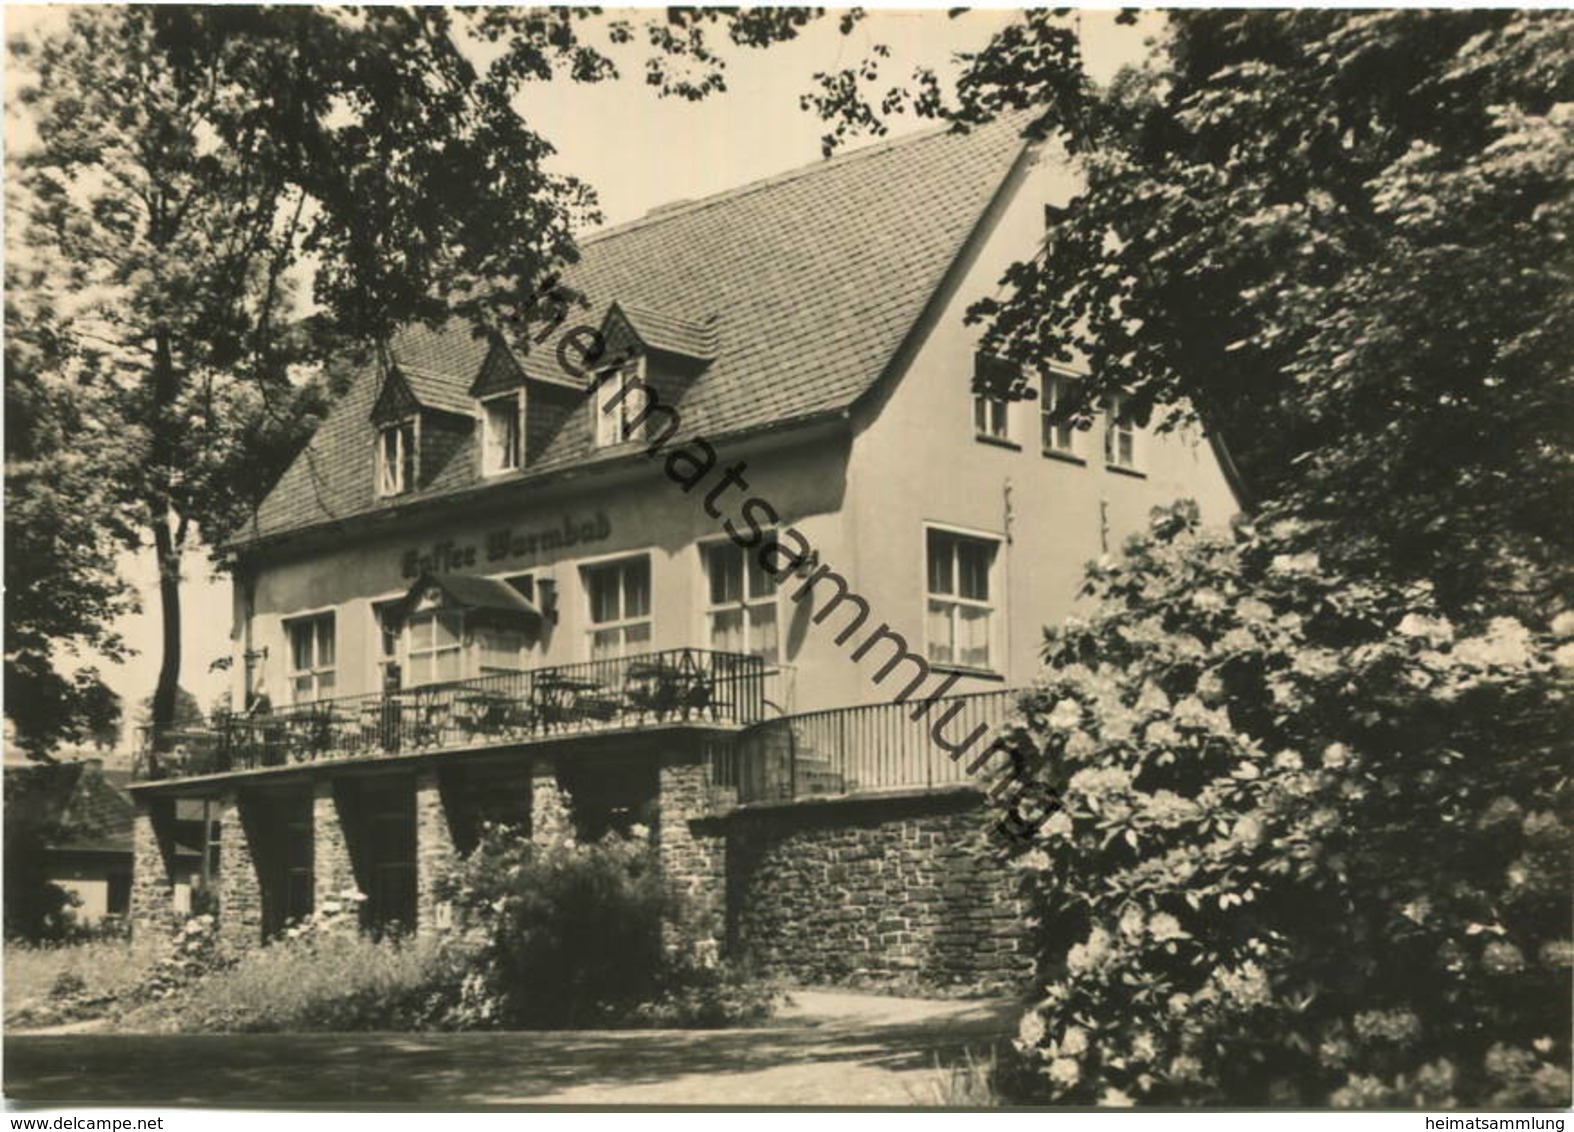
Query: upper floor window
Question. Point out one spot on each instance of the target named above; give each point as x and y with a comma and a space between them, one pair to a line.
502, 434
619, 596
1059, 436
961, 613
741, 603
1120, 434
619, 404
991, 417
396, 447
312, 657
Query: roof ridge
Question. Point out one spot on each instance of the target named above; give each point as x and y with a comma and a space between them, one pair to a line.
423, 371
674, 209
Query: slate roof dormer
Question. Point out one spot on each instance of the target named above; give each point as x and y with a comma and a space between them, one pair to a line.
499, 373
673, 343
407, 391
444, 419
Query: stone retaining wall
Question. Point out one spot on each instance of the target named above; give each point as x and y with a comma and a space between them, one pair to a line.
891, 890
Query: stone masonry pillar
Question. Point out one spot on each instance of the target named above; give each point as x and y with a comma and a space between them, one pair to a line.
333, 871
435, 853
152, 850
693, 860
238, 883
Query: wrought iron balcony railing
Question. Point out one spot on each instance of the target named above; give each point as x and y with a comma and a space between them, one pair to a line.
853, 750
508, 707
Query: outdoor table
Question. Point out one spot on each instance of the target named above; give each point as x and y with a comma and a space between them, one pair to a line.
557, 696
488, 712
425, 714
670, 687
312, 731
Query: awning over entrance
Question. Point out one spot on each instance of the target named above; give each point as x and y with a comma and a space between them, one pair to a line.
485, 601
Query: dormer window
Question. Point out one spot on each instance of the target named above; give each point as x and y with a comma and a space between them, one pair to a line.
503, 434
620, 402
396, 449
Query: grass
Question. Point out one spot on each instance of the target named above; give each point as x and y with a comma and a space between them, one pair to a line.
338, 982
36, 975
970, 1083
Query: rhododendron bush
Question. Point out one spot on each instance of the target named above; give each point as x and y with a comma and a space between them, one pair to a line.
1315, 838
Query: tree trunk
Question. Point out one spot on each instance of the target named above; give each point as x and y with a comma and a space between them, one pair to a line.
168, 554
166, 546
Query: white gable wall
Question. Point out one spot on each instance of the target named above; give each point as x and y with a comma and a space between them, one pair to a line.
916, 461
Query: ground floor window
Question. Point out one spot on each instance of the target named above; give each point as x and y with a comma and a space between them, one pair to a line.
312, 657
388, 630
741, 605
961, 611
619, 599
436, 647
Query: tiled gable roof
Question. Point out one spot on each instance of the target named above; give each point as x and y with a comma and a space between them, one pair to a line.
95, 813
804, 284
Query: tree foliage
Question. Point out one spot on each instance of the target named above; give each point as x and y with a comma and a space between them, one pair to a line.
1315, 838
62, 589
188, 711
200, 173
1316, 829
1341, 239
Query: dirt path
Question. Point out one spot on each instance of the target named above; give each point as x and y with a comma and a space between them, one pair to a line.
828, 1048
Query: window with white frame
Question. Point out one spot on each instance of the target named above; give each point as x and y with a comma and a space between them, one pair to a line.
435, 646
1059, 436
502, 433
312, 657
741, 606
616, 416
499, 650
388, 631
961, 613
991, 417
619, 600
503, 648
396, 448
1120, 434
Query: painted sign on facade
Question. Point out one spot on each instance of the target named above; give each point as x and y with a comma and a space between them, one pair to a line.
449, 557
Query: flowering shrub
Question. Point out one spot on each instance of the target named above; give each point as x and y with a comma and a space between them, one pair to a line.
587, 934
195, 951
1315, 839
321, 975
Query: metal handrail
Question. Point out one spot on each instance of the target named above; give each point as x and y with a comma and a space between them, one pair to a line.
854, 750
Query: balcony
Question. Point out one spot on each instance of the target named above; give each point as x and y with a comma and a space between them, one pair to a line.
855, 750
508, 708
